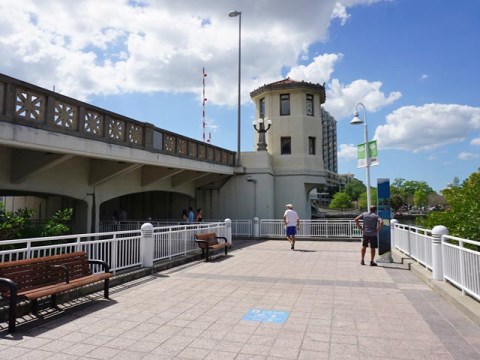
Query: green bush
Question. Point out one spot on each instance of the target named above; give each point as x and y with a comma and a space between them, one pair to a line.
19, 224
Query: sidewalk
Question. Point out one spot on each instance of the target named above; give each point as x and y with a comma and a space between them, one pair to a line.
316, 302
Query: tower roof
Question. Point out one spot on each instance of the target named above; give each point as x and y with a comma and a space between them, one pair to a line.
290, 84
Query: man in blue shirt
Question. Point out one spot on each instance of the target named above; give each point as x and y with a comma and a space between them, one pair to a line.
191, 215
372, 224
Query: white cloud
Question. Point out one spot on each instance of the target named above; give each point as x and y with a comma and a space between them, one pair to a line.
153, 46
318, 71
475, 141
464, 155
340, 12
417, 128
424, 77
347, 152
341, 99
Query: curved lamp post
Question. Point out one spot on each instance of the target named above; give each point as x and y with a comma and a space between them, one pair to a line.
235, 13
357, 121
261, 130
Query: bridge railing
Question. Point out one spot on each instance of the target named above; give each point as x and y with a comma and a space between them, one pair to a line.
325, 229
29, 105
461, 265
120, 249
414, 242
269, 228
239, 227
460, 258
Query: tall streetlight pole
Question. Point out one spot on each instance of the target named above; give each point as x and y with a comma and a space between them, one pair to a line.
235, 13
357, 121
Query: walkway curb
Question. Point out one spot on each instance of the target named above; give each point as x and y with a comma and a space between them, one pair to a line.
464, 303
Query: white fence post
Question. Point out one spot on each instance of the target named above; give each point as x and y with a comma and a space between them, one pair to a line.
437, 263
393, 222
147, 245
256, 227
228, 230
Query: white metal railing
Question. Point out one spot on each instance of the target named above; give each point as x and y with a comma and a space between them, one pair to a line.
414, 242
116, 248
121, 249
239, 227
242, 227
461, 265
331, 229
179, 240
110, 226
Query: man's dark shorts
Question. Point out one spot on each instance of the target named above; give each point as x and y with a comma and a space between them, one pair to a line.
291, 230
372, 240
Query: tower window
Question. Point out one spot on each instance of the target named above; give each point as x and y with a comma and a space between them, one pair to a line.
309, 105
286, 145
262, 108
311, 145
285, 104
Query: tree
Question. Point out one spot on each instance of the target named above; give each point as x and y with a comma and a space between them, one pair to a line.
462, 215
396, 202
341, 200
354, 188
407, 189
420, 198
362, 200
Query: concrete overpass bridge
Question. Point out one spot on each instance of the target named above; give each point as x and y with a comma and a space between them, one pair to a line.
72, 154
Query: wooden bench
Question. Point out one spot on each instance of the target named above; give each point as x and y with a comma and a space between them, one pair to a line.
209, 241
32, 279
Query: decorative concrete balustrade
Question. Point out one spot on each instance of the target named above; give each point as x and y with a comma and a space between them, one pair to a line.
29, 105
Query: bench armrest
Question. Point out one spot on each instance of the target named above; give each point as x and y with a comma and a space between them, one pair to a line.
222, 237
106, 267
64, 267
12, 286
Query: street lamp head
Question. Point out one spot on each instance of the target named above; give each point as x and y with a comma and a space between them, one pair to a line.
234, 13
356, 119
269, 122
260, 120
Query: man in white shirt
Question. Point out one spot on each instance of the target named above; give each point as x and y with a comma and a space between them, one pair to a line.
292, 223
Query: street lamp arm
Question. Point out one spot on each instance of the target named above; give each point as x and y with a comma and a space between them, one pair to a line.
355, 121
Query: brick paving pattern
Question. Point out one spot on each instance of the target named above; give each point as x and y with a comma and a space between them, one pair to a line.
337, 309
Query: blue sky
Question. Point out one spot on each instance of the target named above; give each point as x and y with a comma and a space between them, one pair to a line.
413, 64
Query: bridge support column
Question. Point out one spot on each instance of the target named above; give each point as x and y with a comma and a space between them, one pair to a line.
437, 261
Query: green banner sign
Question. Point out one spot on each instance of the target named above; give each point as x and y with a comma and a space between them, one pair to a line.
372, 154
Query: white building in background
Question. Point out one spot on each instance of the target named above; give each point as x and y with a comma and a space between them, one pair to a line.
300, 156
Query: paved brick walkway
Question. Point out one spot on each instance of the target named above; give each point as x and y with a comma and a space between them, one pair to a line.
337, 309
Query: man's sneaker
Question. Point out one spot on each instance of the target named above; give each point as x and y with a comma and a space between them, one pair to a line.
291, 247
373, 263
362, 262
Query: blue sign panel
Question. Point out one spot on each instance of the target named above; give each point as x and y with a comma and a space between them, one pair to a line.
385, 212
268, 316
